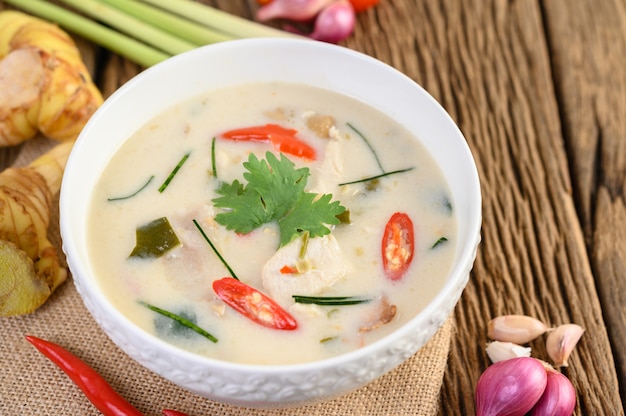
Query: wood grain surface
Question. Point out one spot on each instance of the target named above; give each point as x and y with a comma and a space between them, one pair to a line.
539, 90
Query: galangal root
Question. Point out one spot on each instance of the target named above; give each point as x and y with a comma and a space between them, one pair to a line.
44, 84
30, 264
44, 87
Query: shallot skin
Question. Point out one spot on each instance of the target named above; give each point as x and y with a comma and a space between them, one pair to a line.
297, 10
559, 398
510, 387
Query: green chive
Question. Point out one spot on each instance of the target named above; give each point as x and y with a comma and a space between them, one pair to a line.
145, 185
330, 300
371, 178
368, 145
217, 253
174, 172
440, 241
213, 158
183, 321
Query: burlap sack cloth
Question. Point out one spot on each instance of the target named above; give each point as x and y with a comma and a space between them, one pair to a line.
32, 385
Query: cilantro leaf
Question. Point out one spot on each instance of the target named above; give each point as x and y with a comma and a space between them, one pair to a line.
246, 211
275, 192
276, 181
311, 214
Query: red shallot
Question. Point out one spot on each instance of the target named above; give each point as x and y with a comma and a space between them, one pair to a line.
559, 397
298, 10
333, 24
510, 387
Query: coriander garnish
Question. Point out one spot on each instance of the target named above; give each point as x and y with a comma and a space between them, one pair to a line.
275, 192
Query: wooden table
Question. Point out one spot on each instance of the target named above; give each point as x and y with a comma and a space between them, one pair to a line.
539, 90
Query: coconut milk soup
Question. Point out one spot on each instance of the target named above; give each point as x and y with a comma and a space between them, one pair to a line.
271, 224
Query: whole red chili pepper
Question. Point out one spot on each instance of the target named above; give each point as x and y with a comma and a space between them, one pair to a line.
97, 390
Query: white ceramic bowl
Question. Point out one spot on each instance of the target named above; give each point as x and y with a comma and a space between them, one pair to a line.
288, 60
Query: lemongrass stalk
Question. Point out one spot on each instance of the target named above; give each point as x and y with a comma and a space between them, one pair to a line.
185, 29
99, 34
131, 26
219, 20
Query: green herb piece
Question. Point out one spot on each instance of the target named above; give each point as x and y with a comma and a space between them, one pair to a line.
275, 192
213, 166
382, 175
330, 300
344, 217
154, 239
174, 172
447, 204
144, 186
373, 184
217, 253
332, 312
305, 245
181, 320
328, 339
440, 241
368, 145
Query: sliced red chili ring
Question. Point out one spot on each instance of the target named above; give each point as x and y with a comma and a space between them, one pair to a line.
398, 245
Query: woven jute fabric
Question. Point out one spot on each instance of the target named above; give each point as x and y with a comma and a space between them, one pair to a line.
32, 385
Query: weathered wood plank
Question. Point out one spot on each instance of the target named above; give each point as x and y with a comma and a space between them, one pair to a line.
588, 47
494, 58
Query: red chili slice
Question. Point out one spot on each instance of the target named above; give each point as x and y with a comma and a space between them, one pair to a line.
253, 304
288, 270
282, 138
398, 245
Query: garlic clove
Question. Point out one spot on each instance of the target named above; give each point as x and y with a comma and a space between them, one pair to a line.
500, 351
518, 329
558, 399
561, 342
511, 387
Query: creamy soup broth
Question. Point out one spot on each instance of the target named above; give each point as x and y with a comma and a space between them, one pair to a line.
180, 281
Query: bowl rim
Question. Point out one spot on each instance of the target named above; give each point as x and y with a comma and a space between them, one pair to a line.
456, 274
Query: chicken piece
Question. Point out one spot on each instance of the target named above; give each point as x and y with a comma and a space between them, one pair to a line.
288, 273
187, 266
331, 168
